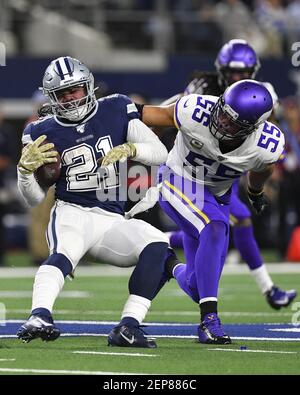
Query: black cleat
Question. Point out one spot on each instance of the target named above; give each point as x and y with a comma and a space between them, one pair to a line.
38, 327
129, 336
210, 331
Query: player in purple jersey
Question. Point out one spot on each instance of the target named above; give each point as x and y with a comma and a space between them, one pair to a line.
88, 215
236, 61
218, 140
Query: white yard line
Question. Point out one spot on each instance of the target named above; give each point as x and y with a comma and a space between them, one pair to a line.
82, 372
100, 313
7, 359
114, 353
107, 270
28, 294
283, 339
89, 271
255, 351
88, 322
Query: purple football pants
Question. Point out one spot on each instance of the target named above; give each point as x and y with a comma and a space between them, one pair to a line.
204, 221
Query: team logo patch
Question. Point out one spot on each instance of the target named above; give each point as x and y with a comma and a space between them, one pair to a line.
80, 128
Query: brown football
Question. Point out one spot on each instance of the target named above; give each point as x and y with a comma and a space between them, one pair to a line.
48, 174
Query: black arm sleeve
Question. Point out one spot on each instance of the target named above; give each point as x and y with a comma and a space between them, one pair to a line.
140, 110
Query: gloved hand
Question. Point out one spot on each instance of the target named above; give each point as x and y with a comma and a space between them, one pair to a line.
35, 155
258, 200
118, 153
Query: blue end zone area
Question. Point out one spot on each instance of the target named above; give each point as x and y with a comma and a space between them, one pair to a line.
279, 332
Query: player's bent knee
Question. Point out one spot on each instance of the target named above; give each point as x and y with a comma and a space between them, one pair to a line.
146, 234
61, 262
217, 229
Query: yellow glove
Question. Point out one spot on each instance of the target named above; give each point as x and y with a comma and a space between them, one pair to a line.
35, 155
120, 152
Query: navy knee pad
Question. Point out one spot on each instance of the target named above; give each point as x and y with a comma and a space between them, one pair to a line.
61, 262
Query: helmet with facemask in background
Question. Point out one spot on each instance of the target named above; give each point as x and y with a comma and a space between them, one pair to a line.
236, 61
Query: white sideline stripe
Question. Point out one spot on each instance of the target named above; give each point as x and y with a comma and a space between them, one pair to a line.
282, 339
83, 372
7, 359
108, 271
106, 323
114, 353
28, 294
261, 351
297, 330
103, 271
144, 323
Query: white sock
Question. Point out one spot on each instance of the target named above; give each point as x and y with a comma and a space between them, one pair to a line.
136, 307
262, 278
178, 264
48, 283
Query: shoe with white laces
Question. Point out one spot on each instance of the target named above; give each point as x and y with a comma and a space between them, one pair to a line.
210, 331
38, 326
129, 336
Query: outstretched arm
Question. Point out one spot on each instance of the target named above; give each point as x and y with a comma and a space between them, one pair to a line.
256, 182
158, 115
142, 146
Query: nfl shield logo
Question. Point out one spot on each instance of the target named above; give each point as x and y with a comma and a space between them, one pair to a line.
80, 128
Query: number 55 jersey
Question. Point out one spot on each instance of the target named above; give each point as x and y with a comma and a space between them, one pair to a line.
196, 154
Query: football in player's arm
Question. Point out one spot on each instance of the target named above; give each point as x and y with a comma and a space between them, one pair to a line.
85, 218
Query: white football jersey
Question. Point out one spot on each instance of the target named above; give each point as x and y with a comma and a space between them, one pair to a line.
196, 154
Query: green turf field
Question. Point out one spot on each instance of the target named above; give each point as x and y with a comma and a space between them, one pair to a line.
101, 298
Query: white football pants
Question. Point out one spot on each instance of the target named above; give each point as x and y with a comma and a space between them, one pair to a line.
74, 231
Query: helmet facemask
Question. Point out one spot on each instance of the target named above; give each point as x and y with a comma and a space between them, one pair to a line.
68, 73
74, 110
236, 61
225, 126
230, 75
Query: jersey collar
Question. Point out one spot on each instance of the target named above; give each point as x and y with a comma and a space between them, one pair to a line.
72, 125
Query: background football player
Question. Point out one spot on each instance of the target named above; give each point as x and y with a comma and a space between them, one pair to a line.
236, 61
84, 218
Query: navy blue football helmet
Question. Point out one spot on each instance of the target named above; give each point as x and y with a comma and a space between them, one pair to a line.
240, 110
236, 61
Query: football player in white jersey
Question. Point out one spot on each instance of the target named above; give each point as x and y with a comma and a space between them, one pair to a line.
218, 140
88, 215
236, 61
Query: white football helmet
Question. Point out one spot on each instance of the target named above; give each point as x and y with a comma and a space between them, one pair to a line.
66, 72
